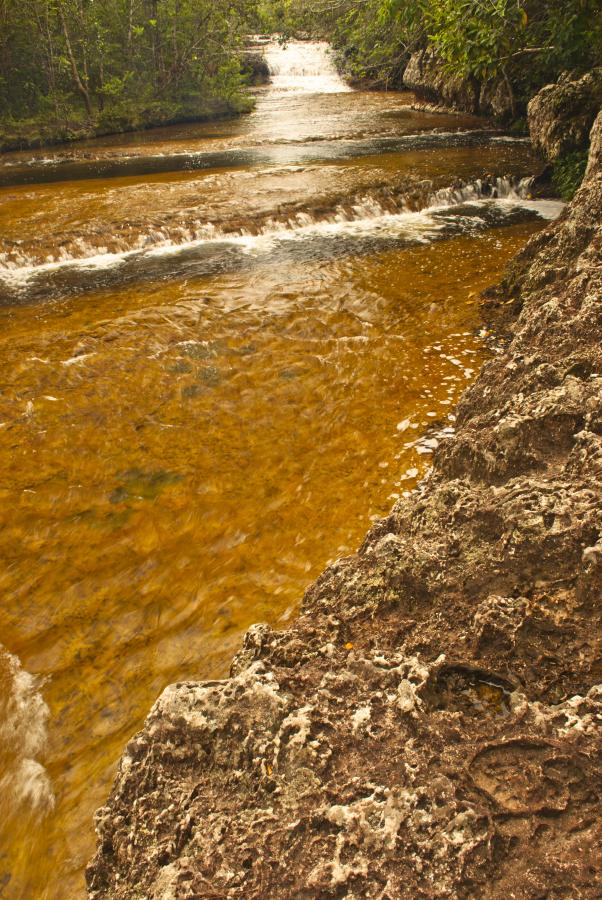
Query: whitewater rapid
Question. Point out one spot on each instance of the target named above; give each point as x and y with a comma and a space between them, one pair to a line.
392, 219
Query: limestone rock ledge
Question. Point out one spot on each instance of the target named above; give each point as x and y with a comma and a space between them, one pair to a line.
562, 114
430, 726
427, 76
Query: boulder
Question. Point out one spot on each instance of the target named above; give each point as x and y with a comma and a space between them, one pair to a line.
426, 75
254, 65
562, 114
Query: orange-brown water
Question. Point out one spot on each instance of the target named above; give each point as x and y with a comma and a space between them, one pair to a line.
192, 425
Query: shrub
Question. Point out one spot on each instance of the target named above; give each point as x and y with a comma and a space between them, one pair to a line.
568, 172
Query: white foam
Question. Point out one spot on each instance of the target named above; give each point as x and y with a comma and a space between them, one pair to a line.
23, 734
545, 209
510, 139
361, 217
303, 67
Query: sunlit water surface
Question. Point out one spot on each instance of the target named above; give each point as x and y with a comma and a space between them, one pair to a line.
225, 349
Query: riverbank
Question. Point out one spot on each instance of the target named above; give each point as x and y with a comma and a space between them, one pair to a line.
34, 135
429, 725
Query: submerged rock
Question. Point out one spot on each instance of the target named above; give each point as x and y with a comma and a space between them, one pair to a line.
430, 726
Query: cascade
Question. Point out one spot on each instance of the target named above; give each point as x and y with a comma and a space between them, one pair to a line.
303, 67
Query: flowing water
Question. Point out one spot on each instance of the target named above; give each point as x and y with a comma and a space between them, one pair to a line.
224, 349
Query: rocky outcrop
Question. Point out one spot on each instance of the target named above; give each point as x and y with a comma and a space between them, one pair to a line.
430, 726
562, 114
496, 100
254, 65
425, 74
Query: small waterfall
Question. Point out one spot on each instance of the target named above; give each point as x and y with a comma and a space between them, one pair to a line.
379, 211
494, 188
303, 67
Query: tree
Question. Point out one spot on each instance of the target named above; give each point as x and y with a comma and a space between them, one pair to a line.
118, 63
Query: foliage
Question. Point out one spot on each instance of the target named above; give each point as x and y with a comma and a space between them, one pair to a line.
283, 17
75, 64
475, 37
63, 61
374, 52
568, 172
527, 43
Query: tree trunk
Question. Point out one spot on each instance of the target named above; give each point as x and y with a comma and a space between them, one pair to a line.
130, 34
510, 90
81, 87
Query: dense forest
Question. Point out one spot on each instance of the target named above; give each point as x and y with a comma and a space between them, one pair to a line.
70, 67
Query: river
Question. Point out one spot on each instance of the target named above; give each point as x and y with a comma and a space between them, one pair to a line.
225, 349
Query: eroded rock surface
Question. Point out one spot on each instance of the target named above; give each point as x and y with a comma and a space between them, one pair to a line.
561, 115
426, 75
430, 726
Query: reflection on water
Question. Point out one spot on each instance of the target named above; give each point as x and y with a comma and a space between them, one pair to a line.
182, 451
